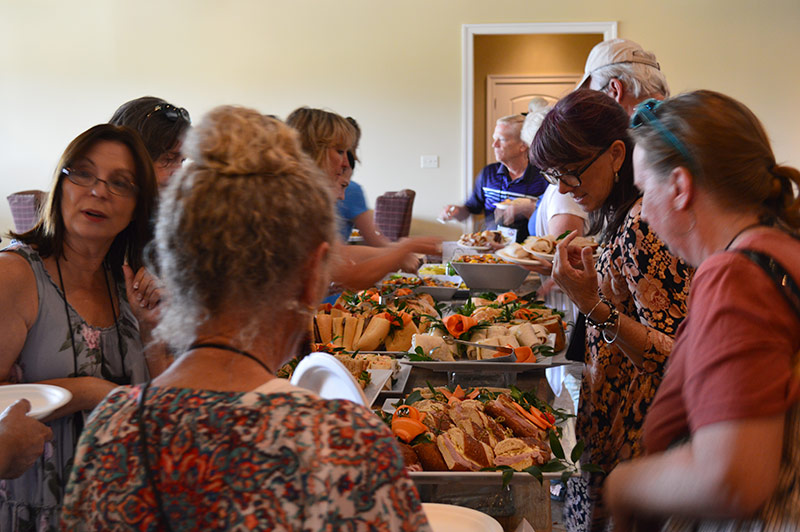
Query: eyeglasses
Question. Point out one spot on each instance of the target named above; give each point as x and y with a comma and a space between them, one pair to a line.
571, 179
170, 112
117, 185
646, 114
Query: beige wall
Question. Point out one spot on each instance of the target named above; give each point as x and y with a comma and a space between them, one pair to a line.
396, 67
535, 55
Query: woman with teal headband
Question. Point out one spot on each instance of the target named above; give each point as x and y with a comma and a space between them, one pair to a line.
722, 433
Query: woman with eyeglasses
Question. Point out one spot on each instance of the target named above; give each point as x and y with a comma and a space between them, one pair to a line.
217, 442
634, 296
723, 433
326, 136
162, 127
65, 288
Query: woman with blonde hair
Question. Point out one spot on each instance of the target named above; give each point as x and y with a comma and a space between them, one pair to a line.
326, 136
722, 435
218, 442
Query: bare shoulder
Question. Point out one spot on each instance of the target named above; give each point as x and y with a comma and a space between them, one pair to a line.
17, 283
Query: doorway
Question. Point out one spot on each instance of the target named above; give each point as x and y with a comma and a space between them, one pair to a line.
510, 95
488, 44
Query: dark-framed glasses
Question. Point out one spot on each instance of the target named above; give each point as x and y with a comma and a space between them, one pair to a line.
116, 184
170, 112
645, 113
571, 179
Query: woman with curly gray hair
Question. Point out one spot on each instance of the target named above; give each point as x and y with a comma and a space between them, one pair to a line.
218, 442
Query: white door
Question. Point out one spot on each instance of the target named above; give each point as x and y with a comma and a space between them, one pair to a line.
510, 95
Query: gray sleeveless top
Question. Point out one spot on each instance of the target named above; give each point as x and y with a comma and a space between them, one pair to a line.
35, 498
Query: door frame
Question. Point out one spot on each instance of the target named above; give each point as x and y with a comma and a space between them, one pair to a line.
468, 33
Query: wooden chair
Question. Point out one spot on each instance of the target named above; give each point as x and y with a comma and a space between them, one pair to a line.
393, 213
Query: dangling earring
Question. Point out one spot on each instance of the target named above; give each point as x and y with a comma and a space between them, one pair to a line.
616, 177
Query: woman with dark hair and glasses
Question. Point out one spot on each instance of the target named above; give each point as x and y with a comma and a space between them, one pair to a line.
64, 291
633, 298
723, 433
162, 127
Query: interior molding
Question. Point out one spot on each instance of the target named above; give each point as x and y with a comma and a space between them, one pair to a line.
468, 33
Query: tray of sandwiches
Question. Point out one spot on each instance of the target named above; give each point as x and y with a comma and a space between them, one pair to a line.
533, 331
476, 435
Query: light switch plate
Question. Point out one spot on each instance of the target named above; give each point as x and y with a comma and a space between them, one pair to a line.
429, 161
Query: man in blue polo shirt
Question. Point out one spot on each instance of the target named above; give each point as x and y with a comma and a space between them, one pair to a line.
510, 178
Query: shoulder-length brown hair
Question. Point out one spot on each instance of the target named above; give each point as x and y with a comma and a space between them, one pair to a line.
47, 236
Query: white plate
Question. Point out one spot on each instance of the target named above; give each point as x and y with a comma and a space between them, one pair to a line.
378, 378
451, 518
551, 256
322, 374
44, 398
402, 379
511, 258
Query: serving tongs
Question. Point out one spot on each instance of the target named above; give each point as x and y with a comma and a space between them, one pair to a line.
509, 352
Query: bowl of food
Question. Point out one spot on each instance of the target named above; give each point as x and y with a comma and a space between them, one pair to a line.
489, 272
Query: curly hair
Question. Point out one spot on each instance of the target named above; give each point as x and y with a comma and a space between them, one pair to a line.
236, 225
732, 153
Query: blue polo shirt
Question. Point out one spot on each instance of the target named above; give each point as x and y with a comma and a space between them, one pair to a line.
350, 208
493, 186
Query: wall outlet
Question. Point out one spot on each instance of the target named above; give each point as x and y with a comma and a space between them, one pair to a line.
429, 161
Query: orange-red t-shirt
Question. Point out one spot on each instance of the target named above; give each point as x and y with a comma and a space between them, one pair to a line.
732, 357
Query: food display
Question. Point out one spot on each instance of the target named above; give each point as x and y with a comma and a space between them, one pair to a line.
480, 259
506, 320
363, 321
473, 429
483, 240
435, 269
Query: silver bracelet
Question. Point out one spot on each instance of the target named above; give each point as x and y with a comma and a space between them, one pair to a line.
616, 333
589, 314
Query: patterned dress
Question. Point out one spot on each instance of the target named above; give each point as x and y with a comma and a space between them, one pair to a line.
33, 501
276, 458
643, 280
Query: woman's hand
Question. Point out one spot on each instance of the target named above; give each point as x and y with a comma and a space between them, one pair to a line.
574, 272
144, 296
22, 439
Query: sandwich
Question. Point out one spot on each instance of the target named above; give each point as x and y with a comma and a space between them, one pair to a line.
519, 453
462, 452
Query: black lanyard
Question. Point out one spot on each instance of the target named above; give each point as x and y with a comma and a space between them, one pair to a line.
104, 370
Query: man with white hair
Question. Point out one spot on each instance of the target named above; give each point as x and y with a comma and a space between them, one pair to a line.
624, 71
513, 177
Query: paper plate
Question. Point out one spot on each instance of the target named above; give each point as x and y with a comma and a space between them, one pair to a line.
451, 518
44, 398
322, 374
511, 258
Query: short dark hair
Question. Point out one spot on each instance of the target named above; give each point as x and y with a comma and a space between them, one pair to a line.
579, 125
159, 131
47, 236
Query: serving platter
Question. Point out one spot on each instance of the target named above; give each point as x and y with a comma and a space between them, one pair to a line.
485, 366
475, 477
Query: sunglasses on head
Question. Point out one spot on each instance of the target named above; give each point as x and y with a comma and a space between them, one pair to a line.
170, 112
645, 113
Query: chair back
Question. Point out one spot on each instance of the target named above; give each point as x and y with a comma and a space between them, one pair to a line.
25, 208
393, 213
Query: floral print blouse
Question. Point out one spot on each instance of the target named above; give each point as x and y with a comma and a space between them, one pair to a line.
277, 458
646, 282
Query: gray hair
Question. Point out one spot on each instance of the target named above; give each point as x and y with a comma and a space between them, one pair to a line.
537, 109
642, 80
237, 224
